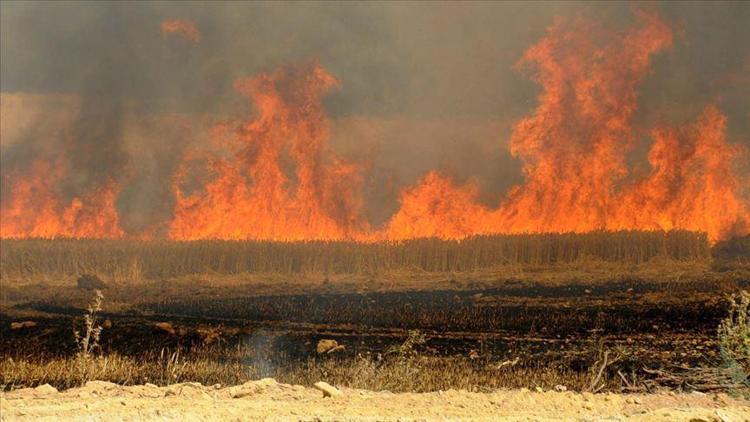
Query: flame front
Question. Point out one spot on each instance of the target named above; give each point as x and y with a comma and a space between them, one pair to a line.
35, 209
575, 146
274, 177
250, 195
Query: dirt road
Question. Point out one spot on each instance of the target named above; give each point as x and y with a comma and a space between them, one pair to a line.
267, 399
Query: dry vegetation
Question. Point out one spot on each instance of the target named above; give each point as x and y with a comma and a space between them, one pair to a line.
416, 374
135, 260
653, 256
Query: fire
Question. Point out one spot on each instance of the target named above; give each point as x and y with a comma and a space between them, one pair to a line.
692, 184
575, 147
34, 208
436, 207
279, 180
181, 27
274, 176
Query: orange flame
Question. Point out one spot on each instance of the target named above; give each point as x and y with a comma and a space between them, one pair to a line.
181, 27
34, 209
273, 177
574, 150
252, 196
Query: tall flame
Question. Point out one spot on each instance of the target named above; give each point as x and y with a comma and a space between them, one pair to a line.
274, 177
253, 194
575, 147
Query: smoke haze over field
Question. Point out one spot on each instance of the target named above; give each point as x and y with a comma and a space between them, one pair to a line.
421, 86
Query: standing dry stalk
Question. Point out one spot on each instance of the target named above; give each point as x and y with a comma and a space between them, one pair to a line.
92, 332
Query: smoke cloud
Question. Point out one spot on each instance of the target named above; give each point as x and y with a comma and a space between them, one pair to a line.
119, 92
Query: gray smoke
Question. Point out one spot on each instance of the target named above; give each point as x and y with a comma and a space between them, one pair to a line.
424, 86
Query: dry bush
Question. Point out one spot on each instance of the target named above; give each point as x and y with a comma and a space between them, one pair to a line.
734, 338
88, 342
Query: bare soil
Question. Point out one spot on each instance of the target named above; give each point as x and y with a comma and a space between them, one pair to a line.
267, 399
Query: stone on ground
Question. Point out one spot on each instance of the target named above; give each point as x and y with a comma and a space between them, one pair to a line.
327, 389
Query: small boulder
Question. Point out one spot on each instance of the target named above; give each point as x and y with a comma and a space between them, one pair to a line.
339, 348
90, 282
325, 345
100, 387
44, 390
327, 389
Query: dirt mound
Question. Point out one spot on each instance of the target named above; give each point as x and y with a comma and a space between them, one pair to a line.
267, 399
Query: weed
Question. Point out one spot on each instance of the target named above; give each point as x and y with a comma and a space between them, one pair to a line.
406, 349
88, 341
734, 338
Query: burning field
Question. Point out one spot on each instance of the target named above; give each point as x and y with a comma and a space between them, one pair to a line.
274, 176
557, 199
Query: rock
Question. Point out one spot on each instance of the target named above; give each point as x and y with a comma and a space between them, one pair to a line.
266, 382
633, 400
327, 389
90, 282
100, 387
561, 388
165, 327
507, 363
339, 348
45, 389
252, 387
22, 324
239, 391
326, 345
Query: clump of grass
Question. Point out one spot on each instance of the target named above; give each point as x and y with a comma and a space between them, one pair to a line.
407, 348
734, 338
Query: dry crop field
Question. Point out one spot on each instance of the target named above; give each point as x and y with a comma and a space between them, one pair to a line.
605, 311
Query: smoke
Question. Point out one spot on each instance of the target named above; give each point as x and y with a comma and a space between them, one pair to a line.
101, 88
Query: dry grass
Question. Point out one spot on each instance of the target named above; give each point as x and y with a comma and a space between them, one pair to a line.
412, 374
129, 260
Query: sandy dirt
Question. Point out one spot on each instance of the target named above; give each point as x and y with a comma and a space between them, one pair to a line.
267, 399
